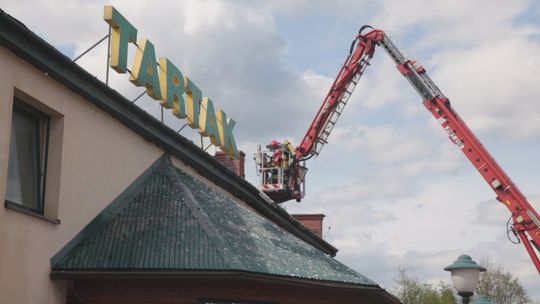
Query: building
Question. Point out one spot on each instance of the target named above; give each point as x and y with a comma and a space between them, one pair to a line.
105, 204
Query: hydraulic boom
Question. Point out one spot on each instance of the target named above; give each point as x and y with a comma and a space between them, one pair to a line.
525, 220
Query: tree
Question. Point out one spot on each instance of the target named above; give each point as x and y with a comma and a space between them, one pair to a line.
412, 291
501, 286
447, 293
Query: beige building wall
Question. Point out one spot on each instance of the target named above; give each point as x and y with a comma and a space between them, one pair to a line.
92, 159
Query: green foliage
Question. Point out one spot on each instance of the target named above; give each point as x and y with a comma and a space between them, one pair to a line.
497, 283
501, 286
412, 291
447, 293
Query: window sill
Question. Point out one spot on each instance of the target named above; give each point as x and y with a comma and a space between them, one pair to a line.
21, 209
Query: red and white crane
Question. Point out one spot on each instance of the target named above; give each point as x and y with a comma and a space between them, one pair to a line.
282, 168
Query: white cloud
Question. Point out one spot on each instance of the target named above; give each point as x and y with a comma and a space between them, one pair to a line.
208, 16
380, 85
486, 61
451, 22
496, 85
387, 143
491, 212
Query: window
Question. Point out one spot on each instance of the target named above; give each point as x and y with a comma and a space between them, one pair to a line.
27, 157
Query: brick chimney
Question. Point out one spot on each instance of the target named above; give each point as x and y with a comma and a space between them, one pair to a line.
235, 165
313, 222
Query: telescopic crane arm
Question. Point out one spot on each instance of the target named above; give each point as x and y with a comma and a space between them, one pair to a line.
526, 223
525, 220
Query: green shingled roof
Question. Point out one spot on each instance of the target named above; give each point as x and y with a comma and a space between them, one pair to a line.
169, 221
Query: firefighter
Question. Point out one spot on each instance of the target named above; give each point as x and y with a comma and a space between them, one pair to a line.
274, 144
288, 154
288, 146
277, 157
285, 166
277, 161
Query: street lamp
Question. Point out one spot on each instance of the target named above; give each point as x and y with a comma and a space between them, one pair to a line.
465, 275
482, 300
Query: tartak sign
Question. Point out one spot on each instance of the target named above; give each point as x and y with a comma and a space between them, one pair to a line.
166, 83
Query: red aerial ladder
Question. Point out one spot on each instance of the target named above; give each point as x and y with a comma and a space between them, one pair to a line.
282, 169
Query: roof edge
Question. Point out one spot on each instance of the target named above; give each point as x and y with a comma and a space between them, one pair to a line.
15, 37
190, 274
374, 290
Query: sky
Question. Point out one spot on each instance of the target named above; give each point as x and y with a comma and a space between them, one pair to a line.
395, 191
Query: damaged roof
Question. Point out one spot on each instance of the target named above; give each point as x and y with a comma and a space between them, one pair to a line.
169, 221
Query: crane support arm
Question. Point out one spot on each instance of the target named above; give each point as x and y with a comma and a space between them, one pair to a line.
526, 222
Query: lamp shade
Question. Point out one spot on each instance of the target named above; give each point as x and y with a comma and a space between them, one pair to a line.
465, 274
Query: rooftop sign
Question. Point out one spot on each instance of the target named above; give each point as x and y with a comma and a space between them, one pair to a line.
165, 83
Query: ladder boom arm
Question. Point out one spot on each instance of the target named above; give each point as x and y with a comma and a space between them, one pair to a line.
356, 62
526, 221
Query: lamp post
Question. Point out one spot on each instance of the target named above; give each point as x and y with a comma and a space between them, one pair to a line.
465, 275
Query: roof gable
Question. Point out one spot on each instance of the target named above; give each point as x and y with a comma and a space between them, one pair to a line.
169, 221
149, 226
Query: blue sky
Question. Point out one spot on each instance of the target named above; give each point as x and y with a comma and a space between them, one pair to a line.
396, 191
